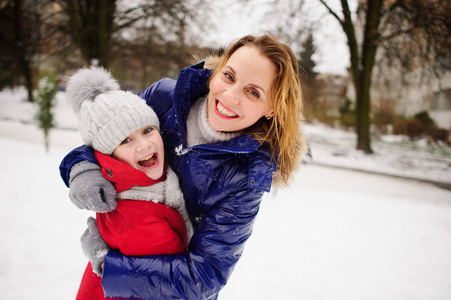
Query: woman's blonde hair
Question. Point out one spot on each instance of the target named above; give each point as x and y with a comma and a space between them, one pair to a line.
283, 132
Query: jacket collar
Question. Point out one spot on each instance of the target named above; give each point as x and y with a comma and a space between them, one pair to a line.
239, 144
123, 175
193, 84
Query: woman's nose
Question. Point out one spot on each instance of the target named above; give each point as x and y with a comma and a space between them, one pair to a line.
232, 95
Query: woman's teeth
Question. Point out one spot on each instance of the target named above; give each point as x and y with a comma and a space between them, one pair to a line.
224, 111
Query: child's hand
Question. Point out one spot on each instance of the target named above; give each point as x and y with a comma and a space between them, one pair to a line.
89, 190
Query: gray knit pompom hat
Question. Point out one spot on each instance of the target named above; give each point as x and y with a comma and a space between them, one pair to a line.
106, 115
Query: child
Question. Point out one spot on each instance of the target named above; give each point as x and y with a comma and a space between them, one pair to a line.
150, 217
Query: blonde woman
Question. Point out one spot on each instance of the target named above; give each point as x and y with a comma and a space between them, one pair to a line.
229, 135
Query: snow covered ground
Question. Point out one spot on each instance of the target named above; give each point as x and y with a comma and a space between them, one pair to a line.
334, 234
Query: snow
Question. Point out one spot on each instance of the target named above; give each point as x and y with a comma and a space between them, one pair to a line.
335, 233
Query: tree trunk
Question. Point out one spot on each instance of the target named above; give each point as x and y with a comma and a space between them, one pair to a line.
91, 25
46, 141
20, 48
363, 114
369, 48
362, 65
26, 69
359, 77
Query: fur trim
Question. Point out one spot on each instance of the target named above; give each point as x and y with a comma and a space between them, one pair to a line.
212, 60
86, 84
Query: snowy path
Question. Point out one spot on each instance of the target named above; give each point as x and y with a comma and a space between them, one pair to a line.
345, 235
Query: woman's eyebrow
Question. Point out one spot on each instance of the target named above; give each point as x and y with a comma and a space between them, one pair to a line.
231, 69
258, 87
251, 84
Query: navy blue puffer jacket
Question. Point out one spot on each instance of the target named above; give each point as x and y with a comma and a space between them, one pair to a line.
222, 183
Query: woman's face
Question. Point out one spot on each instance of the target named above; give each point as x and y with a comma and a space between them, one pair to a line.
239, 94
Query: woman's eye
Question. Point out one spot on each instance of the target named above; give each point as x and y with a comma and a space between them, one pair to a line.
254, 93
126, 141
228, 76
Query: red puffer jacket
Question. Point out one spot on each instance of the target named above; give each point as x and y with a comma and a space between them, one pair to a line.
136, 227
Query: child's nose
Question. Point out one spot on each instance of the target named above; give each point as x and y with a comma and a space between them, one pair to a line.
143, 145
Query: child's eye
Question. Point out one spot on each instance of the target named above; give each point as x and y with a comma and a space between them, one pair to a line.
148, 130
126, 141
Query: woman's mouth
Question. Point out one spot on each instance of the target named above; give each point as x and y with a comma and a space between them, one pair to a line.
224, 112
148, 161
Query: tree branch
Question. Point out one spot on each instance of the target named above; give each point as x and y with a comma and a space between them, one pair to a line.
331, 11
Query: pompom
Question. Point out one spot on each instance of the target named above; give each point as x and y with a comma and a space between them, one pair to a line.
86, 84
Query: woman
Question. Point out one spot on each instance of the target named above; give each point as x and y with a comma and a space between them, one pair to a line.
227, 134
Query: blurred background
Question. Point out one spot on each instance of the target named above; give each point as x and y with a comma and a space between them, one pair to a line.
376, 67
368, 217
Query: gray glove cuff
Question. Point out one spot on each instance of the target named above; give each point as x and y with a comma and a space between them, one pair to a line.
94, 247
98, 260
81, 167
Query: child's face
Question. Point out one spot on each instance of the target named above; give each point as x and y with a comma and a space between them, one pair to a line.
144, 151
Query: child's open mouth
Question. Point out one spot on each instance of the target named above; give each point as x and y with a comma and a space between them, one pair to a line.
148, 161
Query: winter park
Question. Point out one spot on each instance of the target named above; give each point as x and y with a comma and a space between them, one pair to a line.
343, 234
368, 213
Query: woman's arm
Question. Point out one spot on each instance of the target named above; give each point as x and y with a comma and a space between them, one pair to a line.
199, 273
82, 153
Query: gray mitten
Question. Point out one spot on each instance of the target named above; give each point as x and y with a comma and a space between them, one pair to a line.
94, 247
89, 190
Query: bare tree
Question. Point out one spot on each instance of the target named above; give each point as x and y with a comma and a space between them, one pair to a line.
362, 61
97, 26
19, 38
91, 25
424, 27
408, 31
417, 32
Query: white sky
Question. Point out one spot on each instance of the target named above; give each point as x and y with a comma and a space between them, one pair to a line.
235, 19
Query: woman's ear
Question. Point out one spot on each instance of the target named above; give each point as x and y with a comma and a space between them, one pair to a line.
269, 115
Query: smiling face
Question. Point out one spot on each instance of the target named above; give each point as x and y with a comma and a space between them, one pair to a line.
240, 93
144, 151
